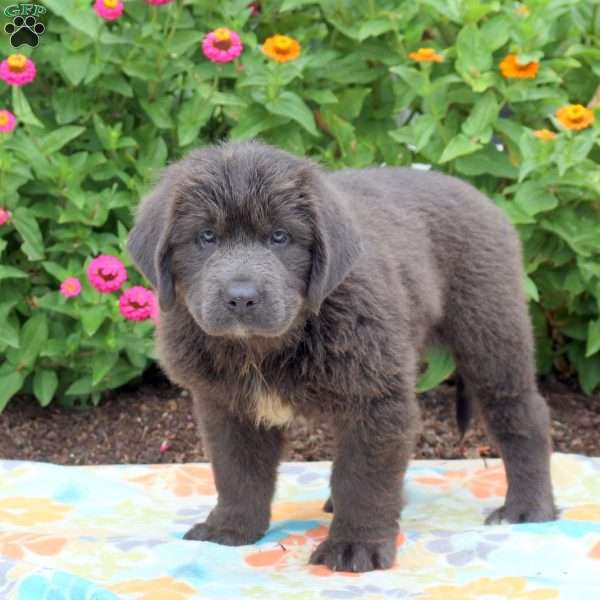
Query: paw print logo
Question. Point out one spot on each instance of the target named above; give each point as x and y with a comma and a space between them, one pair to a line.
24, 31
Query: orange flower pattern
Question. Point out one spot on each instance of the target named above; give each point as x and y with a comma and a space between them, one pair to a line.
426, 55
575, 116
115, 533
512, 69
281, 48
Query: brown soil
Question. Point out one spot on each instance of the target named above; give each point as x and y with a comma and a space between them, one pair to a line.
154, 424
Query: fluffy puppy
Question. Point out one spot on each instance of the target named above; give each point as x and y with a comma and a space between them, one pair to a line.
286, 290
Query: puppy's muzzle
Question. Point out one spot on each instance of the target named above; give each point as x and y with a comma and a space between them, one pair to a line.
241, 296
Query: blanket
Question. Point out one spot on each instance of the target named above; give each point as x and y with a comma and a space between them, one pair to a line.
115, 532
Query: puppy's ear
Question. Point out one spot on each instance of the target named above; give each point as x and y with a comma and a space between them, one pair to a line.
148, 242
336, 242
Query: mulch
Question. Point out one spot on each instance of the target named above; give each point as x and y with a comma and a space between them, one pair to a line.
153, 424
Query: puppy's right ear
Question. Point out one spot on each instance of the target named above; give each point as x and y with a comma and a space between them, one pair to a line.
148, 242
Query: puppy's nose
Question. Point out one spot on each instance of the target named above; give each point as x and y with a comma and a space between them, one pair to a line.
241, 296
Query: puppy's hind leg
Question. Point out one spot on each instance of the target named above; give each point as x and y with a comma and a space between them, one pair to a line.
494, 354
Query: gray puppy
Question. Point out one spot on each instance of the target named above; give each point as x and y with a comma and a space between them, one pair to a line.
285, 291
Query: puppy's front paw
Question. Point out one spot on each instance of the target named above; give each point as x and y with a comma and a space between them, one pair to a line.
513, 513
356, 557
203, 532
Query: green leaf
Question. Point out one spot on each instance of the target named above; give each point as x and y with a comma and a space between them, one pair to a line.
320, 96
92, 318
440, 365
292, 4
77, 14
34, 335
533, 198
487, 161
45, 384
194, 113
75, 65
56, 270
291, 105
375, 28
152, 157
351, 102
496, 31
11, 383
9, 332
531, 290
22, 109
27, 226
418, 132
458, 146
473, 54
8, 272
593, 338
159, 111
81, 387
102, 363
484, 114
414, 79
449, 8
183, 40
54, 141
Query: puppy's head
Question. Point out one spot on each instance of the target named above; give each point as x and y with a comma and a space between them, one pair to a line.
246, 237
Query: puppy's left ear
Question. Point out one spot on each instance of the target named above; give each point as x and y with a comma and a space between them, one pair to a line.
148, 242
337, 243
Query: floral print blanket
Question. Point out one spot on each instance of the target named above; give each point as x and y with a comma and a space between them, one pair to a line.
114, 532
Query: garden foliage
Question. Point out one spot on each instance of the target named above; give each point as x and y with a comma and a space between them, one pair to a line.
114, 101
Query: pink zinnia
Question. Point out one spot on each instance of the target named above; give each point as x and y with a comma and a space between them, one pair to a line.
106, 273
70, 287
158, 1
7, 121
222, 45
137, 303
17, 70
5, 216
109, 9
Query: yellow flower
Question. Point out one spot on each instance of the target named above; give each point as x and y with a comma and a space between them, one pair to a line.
544, 134
511, 69
523, 10
17, 62
502, 587
575, 116
426, 55
31, 511
281, 48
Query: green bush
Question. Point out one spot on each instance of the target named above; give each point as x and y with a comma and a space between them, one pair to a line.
115, 101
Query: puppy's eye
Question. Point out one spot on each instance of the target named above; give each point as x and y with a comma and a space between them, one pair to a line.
280, 237
206, 236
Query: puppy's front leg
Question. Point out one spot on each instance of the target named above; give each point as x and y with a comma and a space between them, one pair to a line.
373, 451
244, 460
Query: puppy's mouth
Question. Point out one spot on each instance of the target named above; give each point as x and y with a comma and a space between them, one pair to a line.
239, 328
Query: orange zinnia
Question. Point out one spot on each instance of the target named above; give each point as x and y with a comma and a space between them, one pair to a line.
281, 48
544, 134
426, 55
575, 116
511, 69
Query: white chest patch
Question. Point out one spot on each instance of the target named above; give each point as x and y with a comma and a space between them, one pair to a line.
270, 410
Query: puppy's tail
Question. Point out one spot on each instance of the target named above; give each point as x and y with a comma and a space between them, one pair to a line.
464, 407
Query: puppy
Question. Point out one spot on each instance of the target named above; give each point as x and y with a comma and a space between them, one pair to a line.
285, 291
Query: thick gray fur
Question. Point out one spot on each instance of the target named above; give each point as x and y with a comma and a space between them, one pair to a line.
378, 264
